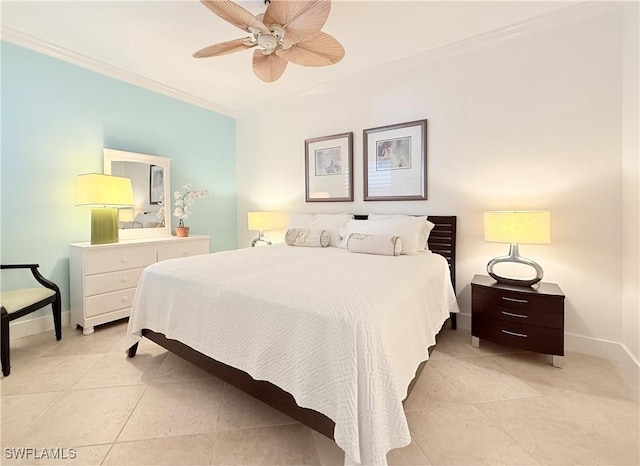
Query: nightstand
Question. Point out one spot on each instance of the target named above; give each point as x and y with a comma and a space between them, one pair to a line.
530, 318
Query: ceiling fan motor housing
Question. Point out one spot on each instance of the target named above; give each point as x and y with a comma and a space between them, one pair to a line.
267, 43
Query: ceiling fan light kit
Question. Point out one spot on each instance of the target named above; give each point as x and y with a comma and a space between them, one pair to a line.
288, 31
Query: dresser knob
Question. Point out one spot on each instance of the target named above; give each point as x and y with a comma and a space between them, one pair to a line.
125, 299
125, 260
124, 279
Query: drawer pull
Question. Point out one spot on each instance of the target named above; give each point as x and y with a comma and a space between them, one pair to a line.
124, 260
524, 301
126, 298
514, 315
124, 279
521, 335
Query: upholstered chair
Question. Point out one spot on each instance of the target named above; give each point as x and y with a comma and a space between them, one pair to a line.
17, 303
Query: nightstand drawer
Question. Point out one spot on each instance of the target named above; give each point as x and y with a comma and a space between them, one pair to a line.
527, 337
507, 311
515, 301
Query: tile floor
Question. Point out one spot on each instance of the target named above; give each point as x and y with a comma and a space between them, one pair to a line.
487, 405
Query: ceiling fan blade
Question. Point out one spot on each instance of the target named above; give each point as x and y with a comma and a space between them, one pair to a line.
301, 19
225, 48
321, 50
268, 67
236, 15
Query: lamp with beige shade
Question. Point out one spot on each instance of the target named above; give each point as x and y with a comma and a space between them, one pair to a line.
517, 227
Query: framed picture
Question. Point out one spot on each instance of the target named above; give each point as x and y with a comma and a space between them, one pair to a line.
156, 184
395, 162
329, 168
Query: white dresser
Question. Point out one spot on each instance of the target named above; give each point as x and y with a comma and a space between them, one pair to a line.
104, 277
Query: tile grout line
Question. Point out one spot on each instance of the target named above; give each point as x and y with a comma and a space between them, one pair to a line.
495, 424
124, 424
213, 450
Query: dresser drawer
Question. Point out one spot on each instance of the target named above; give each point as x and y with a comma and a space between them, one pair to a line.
118, 259
188, 248
552, 316
107, 302
111, 281
513, 300
527, 337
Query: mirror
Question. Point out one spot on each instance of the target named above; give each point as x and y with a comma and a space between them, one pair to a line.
151, 183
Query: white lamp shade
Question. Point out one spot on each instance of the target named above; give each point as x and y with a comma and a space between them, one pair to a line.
518, 227
94, 189
261, 221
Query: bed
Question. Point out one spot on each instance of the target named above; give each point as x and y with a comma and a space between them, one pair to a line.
334, 339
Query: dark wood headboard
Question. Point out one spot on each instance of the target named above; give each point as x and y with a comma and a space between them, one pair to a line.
442, 239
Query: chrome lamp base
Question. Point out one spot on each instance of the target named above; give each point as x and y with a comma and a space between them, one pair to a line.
260, 238
514, 256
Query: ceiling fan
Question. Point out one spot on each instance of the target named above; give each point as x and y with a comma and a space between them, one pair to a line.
288, 31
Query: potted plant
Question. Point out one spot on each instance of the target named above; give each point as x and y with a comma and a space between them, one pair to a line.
183, 202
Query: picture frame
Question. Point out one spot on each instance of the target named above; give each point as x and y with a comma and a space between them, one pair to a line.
395, 162
329, 168
156, 184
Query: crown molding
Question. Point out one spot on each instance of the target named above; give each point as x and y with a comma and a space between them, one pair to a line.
38, 45
408, 65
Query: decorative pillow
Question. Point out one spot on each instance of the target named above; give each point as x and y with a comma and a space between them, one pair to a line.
307, 237
407, 229
385, 245
425, 225
334, 224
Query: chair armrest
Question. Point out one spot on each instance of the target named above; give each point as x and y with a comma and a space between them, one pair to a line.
19, 266
36, 274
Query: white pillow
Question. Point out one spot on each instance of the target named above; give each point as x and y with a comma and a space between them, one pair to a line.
407, 229
425, 225
335, 224
384, 245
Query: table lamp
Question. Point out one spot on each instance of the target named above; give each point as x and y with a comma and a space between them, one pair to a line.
260, 222
104, 193
517, 227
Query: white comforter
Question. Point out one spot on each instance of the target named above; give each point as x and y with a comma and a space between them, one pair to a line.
342, 332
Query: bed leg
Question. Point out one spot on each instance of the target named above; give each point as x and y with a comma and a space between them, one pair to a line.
132, 351
454, 320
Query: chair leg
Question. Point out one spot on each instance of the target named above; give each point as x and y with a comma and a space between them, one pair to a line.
57, 317
4, 332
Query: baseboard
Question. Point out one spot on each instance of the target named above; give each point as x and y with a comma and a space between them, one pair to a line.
631, 367
23, 328
592, 346
608, 350
464, 321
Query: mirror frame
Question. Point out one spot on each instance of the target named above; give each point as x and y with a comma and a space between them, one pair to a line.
112, 155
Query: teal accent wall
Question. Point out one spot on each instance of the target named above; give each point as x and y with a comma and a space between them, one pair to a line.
56, 120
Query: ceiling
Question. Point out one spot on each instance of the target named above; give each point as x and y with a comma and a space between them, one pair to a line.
154, 41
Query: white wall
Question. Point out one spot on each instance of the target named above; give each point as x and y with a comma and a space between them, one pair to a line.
630, 185
526, 118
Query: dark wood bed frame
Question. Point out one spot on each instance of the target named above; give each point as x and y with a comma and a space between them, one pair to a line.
442, 240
